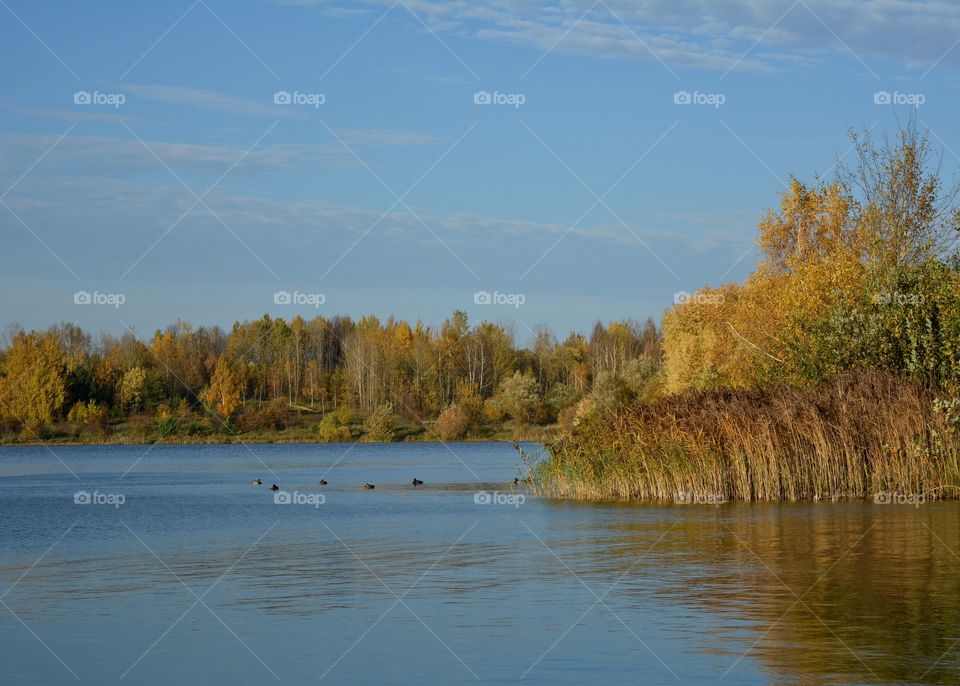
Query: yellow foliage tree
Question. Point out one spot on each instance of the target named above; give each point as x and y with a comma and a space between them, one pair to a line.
225, 393
131, 390
811, 259
33, 384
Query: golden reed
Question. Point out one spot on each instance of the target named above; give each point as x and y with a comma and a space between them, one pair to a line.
863, 434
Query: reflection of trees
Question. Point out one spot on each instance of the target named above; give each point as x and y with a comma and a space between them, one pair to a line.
878, 586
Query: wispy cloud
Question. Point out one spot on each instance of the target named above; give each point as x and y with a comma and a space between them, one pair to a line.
122, 155
387, 137
79, 201
745, 35
71, 115
209, 100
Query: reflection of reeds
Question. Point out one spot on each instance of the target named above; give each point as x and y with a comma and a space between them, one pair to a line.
878, 586
864, 433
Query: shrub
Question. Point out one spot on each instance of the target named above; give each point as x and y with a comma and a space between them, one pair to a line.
381, 425
165, 425
273, 416
562, 396
518, 397
336, 426
89, 416
452, 424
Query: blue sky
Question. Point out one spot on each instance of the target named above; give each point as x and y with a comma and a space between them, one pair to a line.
583, 186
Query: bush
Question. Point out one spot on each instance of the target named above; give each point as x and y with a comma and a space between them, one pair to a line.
561, 396
518, 397
166, 425
335, 427
493, 410
271, 417
381, 425
89, 416
452, 424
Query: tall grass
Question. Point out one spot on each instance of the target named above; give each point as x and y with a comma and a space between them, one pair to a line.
863, 434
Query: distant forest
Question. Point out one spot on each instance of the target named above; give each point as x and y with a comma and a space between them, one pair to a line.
334, 379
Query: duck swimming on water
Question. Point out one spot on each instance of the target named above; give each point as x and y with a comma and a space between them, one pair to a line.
368, 487
323, 482
274, 488
257, 482
417, 482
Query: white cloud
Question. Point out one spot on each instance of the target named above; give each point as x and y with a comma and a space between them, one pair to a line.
113, 155
122, 155
748, 35
209, 100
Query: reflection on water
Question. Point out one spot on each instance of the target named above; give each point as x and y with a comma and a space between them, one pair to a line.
835, 593
839, 593
201, 577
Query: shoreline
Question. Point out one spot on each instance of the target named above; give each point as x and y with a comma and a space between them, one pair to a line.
261, 441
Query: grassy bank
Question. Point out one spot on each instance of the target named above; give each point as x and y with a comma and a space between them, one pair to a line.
291, 427
865, 433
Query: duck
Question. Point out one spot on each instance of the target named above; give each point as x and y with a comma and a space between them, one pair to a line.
516, 480
368, 487
323, 482
274, 488
257, 482
417, 482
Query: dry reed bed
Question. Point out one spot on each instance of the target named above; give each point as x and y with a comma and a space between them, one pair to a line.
864, 433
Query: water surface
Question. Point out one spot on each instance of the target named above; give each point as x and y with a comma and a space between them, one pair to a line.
200, 577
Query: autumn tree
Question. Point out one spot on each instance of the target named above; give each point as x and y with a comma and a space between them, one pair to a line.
33, 384
132, 389
851, 273
224, 393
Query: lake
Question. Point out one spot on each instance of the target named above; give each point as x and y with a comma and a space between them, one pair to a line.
140, 565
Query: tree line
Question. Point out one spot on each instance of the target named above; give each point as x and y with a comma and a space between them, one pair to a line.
363, 376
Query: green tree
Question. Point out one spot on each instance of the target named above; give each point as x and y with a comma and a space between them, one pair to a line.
519, 397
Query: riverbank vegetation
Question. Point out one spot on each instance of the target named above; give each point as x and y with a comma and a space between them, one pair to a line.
833, 371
